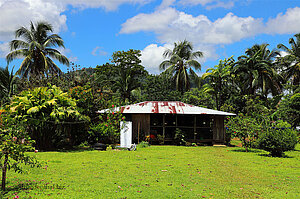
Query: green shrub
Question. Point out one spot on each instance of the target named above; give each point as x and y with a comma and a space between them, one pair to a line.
179, 137
277, 141
143, 144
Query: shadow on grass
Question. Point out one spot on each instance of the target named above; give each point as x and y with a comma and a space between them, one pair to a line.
249, 150
20, 187
259, 153
74, 150
268, 155
26, 186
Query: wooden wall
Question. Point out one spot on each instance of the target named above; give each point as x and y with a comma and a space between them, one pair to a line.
218, 130
141, 126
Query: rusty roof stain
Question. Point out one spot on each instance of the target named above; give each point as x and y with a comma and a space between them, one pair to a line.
166, 107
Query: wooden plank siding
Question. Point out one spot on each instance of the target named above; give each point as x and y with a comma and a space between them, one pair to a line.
197, 132
141, 123
218, 130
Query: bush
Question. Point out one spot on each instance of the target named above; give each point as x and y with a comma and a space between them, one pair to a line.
277, 141
143, 144
179, 137
246, 128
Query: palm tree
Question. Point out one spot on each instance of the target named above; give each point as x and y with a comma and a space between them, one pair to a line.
36, 47
7, 84
181, 63
257, 71
219, 80
292, 60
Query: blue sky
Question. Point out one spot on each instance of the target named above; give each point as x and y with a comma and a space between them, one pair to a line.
94, 29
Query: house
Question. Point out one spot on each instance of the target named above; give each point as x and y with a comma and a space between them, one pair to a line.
161, 118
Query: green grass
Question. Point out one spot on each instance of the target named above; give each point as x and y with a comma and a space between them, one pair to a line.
161, 172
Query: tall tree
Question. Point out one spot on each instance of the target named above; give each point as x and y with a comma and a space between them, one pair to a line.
219, 81
292, 60
36, 46
256, 71
124, 74
181, 64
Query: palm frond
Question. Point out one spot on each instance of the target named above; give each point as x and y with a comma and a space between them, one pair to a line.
165, 64
59, 57
16, 44
193, 63
54, 40
16, 54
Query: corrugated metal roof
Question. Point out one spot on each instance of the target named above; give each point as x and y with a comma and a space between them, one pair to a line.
166, 107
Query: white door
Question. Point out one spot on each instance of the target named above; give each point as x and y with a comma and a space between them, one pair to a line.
126, 134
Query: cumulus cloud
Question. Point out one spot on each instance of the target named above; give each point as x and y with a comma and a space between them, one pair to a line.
172, 25
14, 14
152, 56
179, 25
98, 51
17, 13
287, 23
156, 21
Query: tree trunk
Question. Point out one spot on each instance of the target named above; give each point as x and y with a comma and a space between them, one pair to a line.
4, 169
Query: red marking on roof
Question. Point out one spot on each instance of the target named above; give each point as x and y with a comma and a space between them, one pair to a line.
155, 107
170, 107
174, 109
203, 113
181, 104
122, 109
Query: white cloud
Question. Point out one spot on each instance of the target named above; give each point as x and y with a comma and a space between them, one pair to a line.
206, 34
179, 26
158, 20
98, 51
14, 14
152, 56
287, 23
17, 13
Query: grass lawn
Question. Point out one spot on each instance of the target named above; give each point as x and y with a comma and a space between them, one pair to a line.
160, 172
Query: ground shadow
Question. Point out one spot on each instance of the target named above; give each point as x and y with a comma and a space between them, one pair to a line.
249, 150
268, 155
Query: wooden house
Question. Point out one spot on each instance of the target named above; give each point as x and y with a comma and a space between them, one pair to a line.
161, 118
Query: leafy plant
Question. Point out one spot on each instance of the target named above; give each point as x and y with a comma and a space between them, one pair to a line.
277, 141
160, 139
48, 114
143, 144
246, 128
14, 143
107, 130
179, 137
